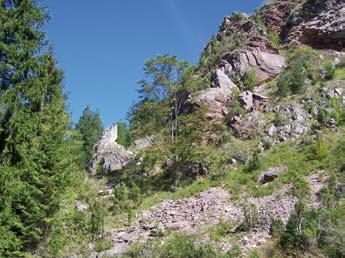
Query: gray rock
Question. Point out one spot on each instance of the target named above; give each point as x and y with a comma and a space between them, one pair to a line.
109, 156
81, 206
252, 101
270, 175
297, 122
142, 143
340, 190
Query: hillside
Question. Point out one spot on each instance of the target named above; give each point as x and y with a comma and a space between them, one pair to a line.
241, 155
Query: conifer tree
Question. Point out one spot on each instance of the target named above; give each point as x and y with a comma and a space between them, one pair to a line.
35, 160
90, 128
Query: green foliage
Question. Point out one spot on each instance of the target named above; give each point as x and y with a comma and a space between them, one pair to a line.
322, 117
283, 85
278, 119
97, 219
251, 216
292, 81
134, 194
277, 228
90, 128
338, 112
69, 234
340, 74
120, 195
254, 254
303, 62
290, 236
251, 79
221, 230
122, 134
300, 188
297, 79
332, 240
37, 161
125, 199
329, 70
235, 109
254, 163
162, 94
183, 246
319, 150
103, 245
274, 38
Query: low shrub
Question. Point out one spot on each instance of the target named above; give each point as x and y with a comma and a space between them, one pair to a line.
103, 245
277, 228
254, 163
251, 79
329, 70
251, 216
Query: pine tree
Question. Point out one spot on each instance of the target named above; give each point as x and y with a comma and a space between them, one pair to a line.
35, 160
90, 127
122, 133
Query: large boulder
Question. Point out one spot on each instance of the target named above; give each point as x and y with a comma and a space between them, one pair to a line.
270, 174
215, 99
109, 156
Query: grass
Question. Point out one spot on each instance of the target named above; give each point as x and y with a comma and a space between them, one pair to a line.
103, 245
298, 158
177, 245
340, 74
221, 231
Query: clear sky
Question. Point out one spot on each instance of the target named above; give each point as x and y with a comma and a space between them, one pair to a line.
102, 45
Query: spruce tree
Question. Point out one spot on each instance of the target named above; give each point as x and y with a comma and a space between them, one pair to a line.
90, 128
35, 160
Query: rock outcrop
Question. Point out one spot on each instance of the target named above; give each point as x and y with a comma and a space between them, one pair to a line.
255, 52
295, 122
217, 97
109, 156
264, 60
276, 14
253, 101
317, 23
244, 126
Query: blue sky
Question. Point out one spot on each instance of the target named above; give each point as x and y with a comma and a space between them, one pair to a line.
102, 45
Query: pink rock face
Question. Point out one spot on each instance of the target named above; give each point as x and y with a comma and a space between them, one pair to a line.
216, 99
265, 63
275, 15
320, 24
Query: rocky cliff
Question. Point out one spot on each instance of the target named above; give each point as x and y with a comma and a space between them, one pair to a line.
109, 155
